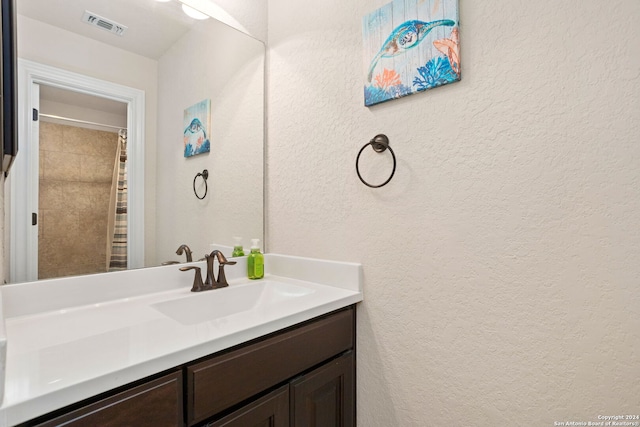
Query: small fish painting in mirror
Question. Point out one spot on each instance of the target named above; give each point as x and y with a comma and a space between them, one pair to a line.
197, 123
410, 46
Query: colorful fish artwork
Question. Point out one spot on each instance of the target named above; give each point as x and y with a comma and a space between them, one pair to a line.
408, 35
197, 123
410, 46
195, 139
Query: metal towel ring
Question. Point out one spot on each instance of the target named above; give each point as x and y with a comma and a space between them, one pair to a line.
379, 143
205, 175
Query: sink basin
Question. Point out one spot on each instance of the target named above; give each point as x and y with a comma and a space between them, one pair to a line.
218, 303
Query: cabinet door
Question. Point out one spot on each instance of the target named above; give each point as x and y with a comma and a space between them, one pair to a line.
271, 410
326, 396
156, 403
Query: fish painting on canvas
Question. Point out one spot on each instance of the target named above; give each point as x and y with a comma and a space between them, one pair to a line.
410, 46
197, 124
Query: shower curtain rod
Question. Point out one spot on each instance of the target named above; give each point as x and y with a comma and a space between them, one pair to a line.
51, 116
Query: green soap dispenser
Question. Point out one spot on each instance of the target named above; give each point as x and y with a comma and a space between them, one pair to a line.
255, 261
238, 250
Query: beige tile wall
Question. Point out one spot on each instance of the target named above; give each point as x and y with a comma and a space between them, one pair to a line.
76, 167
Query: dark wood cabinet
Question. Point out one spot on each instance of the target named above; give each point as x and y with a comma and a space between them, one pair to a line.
326, 396
156, 403
302, 376
271, 410
220, 382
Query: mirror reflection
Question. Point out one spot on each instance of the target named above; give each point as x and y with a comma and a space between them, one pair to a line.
71, 186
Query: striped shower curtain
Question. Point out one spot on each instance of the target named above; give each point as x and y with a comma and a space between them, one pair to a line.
117, 226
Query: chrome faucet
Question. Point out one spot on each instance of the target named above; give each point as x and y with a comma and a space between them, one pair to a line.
211, 282
186, 250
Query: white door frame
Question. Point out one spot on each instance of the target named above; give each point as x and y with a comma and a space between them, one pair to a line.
23, 248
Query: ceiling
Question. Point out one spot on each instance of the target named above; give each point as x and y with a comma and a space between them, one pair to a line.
152, 26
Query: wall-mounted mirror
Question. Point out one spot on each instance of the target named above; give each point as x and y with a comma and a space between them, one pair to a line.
83, 66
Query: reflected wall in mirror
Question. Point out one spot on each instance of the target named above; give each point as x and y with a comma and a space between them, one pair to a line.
176, 61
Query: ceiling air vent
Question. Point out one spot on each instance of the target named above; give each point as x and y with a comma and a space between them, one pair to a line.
104, 23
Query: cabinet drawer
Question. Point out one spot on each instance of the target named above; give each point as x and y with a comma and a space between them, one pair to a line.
156, 403
221, 382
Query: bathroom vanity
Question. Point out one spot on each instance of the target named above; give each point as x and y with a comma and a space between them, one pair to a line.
306, 371
278, 351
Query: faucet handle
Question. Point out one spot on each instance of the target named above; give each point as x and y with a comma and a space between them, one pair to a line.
222, 279
223, 260
198, 286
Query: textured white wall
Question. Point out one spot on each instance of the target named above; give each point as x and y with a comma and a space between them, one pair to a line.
231, 74
502, 263
53, 46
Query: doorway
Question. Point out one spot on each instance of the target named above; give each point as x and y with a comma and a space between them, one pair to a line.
23, 205
81, 139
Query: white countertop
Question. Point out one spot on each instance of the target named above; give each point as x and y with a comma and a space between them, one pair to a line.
67, 351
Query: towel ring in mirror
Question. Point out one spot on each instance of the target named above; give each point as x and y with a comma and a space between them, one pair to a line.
205, 175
